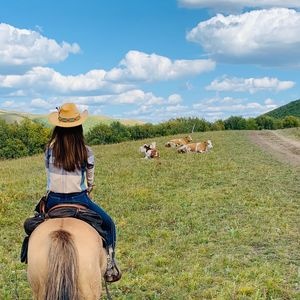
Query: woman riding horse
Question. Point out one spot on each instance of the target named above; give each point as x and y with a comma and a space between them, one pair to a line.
70, 167
72, 253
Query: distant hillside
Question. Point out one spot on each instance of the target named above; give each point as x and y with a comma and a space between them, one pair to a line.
11, 117
290, 109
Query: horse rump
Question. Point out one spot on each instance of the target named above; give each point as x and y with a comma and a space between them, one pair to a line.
62, 262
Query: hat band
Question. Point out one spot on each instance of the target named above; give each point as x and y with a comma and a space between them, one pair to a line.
68, 120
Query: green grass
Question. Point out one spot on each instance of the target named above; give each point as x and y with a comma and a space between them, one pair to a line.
293, 133
220, 225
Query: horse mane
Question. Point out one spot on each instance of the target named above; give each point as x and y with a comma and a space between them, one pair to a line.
63, 262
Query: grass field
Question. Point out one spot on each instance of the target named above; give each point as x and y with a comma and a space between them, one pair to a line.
220, 225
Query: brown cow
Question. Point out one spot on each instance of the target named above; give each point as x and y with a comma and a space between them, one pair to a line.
196, 147
179, 142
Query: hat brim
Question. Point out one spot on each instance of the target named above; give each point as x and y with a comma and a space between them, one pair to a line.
53, 119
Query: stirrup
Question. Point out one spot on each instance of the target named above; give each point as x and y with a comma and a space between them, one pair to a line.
112, 273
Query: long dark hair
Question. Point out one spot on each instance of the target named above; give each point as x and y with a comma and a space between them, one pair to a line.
69, 150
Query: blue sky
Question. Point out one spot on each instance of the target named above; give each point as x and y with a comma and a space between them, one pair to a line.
150, 60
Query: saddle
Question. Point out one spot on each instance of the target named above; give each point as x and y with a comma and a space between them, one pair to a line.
60, 211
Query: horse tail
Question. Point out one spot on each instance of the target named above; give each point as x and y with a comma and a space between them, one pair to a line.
62, 278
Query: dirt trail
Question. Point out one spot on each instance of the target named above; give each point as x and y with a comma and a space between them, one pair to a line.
283, 148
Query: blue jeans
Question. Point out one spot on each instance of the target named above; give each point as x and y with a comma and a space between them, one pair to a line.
83, 199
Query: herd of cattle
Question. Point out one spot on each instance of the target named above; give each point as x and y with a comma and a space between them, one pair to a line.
183, 145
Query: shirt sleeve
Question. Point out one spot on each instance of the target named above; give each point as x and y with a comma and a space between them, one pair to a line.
90, 168
47, 166
47, 157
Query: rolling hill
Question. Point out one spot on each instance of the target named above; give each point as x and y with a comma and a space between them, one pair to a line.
12, 116
290, 109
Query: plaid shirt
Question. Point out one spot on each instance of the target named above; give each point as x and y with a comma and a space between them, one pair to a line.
62, 181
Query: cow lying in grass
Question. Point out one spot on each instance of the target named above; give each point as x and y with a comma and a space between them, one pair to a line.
200, 147
149, 150
179, 142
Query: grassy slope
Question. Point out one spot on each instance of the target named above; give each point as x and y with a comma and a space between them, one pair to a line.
11, 117
293, 133
222, 225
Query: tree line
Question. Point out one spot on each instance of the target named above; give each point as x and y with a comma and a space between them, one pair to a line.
30, 137
22, 139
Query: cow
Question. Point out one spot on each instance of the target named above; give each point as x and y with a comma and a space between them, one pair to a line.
199, 147
179, 142
150, 150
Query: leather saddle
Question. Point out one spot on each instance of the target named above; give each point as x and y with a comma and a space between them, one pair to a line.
60, 211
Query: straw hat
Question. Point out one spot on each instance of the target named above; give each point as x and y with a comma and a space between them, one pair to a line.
67, 115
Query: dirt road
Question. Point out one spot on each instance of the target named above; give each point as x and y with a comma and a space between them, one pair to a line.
283, 148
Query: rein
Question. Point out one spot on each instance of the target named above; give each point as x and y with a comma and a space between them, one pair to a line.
107, 291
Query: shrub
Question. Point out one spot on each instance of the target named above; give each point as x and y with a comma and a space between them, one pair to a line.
218, 125
290, 121
251, 124
235, 123
266, 122
26, 138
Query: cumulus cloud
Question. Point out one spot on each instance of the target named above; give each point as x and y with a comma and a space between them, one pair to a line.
269, 101
154, 108
251, 85
40, 103
237, 5
222, 108
23, 47
176, 108
139, 66
156, 114
42, 79
136, 96
174, 99
8, 104
264, 37
130, 97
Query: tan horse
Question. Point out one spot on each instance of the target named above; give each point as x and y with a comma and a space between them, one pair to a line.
66, 260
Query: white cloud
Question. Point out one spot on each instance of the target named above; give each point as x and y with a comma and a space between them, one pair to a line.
269, 101
159, 114
40, 103
222, 108
237, 5
132, 97
8, 104
251, 85
139, 66
23, 47
41, 80
161, 111
17, 93
176, 108
174, 99
136, 97
264, 37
